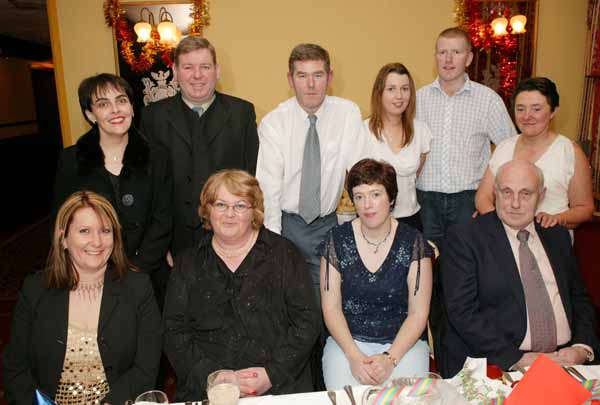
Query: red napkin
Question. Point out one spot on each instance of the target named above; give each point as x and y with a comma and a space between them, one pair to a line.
547, 383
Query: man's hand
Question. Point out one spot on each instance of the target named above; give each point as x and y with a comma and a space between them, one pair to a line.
170, 260
529, 358
571, 356
253, 381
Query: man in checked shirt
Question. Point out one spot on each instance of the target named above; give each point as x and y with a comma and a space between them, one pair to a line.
464, 117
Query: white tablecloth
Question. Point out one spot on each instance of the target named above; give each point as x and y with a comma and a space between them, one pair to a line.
321, 398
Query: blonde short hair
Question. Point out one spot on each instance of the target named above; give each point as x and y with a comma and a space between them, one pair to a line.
239, 183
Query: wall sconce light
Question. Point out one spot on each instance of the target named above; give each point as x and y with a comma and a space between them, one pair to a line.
142, 28
499, 26
518, 24
166, 28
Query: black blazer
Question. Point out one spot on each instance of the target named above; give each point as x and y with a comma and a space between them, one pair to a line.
484, 296
228, 139
144, 204
128, 338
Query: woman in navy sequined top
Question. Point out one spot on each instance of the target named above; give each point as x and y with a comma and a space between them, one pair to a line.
375, 287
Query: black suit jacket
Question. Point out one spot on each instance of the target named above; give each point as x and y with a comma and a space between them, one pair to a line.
484, 296
229, 139
129, 338
144, 204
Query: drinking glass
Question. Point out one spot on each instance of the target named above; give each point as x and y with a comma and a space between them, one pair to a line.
223, 387
152, 397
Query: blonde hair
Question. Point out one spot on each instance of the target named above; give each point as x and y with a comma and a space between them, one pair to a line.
237, 182
60, 270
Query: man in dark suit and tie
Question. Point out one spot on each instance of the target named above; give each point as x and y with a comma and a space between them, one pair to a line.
204, 130
512, 289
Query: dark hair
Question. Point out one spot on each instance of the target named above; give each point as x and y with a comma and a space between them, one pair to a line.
408, 116
60, 270
96, 86
457, 32
541, 84
371, 171
192, 43
303, 52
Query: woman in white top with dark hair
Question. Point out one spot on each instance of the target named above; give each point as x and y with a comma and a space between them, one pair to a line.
397, 137
568, 200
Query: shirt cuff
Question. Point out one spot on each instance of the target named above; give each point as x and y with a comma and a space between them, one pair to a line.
588, 349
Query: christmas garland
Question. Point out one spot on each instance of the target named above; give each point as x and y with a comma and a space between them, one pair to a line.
467, 14
114, 16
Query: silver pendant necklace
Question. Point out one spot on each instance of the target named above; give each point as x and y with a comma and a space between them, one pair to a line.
376, 244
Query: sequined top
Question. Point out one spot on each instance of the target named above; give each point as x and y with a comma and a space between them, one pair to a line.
375, 304
82, 380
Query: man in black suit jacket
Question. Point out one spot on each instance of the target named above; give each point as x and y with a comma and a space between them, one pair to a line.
484, 295
204, 130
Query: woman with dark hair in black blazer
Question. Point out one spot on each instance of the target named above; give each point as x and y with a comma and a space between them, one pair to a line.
87, 329
114, 160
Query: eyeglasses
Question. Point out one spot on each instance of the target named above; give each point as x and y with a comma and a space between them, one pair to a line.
238, 208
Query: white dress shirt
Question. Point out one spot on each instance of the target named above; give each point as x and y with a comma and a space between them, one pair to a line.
406, 162
462, 126
282, 134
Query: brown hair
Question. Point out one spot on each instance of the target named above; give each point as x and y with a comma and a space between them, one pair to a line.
303, 52
542, 84
408, 116
237, 182
60, 270
457, 32
193, 43
371, 171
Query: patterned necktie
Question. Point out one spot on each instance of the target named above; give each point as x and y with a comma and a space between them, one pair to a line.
309, 204
542, 323
198, 110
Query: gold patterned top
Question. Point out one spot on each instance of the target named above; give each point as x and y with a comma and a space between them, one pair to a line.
82, 380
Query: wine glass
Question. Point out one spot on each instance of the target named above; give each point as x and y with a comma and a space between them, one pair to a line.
223, 387
152, 397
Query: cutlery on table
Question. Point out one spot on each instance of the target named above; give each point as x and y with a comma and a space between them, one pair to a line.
348, 390
574, 373
507, 379
331, 395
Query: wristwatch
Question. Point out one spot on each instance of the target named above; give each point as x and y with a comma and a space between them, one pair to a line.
389, 356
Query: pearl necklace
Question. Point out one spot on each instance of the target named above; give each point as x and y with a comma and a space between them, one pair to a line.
376, 244
233, 253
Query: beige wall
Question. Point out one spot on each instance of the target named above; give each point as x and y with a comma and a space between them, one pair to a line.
253, 40
560, 56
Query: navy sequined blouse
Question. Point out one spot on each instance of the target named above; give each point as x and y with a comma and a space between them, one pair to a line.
375, 304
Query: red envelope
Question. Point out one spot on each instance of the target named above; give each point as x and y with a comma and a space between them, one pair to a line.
546, 383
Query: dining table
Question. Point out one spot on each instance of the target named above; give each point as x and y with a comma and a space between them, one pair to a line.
322, 397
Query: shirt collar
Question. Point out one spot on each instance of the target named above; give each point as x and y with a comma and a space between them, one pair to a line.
512, 233
319, 113
203, 105
466, 87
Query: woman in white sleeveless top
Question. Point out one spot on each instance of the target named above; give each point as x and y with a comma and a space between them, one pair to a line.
397, 137
568, 199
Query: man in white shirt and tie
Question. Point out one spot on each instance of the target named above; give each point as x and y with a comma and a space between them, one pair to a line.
307, 144
512, 288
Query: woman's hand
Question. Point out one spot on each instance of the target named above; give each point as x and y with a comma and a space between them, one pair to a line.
253, 381
381, 367
548, 221
360, 366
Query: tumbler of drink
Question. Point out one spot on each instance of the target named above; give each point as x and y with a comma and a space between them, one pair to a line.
223, 387
152, 397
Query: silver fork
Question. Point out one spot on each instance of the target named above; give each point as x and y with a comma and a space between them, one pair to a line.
348, 390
